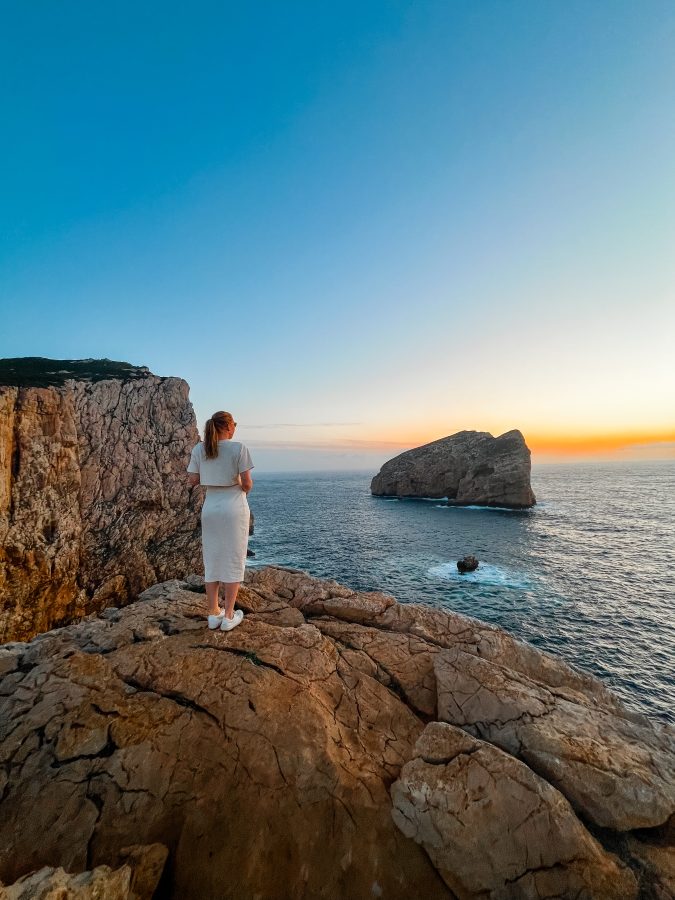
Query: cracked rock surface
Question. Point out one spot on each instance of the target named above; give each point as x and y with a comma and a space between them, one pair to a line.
493, 828
300, 755
616, 769
94, 505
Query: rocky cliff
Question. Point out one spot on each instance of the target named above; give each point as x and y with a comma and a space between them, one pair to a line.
336, 744
93, 498
468, 467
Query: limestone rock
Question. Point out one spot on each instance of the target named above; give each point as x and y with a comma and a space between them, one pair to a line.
531, 845
259, 757
470, 467
617, 772
54, 884
467, 564
263, 758
147, 864
94, 504
656, 863
137, 879
318, 597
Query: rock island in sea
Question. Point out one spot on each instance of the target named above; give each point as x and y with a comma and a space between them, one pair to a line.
337, 744
470, 467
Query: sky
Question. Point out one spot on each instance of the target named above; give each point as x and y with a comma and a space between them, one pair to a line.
358, 227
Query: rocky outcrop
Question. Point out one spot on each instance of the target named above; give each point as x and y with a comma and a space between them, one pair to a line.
94, 503
303, 754
531, 844
467, 564
55, 884
470, 467
602, 762
136, 879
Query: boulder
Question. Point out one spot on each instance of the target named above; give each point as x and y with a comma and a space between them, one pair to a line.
263, 759
467, 564
617, 771
470, 467
531, 845
94, 503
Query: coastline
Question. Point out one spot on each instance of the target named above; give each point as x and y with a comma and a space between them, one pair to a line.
564, 576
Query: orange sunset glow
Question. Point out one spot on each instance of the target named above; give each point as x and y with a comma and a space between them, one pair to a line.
602, 444
628, 444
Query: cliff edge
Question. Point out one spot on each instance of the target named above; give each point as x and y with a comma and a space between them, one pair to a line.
93, 498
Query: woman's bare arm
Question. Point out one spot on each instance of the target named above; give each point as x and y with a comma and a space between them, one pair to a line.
193, 479
246, 482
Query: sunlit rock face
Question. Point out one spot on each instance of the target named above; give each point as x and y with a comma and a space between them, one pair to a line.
136, 879
352, 745
93, 496
470, 467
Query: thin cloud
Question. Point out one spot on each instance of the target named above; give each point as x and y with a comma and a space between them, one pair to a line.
652, 445
330, 446
305, 425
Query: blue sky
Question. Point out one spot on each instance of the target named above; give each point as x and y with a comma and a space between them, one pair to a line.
356, 226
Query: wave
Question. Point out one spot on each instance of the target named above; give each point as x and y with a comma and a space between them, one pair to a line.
485, 574
409, 499
473, 506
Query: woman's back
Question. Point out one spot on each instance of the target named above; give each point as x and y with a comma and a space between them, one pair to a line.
224, 469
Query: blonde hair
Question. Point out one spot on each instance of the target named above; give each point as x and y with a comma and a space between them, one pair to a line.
219, 421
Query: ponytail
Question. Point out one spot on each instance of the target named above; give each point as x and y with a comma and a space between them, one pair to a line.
219, 421
210, 439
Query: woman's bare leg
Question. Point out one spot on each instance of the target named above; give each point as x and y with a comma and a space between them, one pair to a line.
212, 597
231, 591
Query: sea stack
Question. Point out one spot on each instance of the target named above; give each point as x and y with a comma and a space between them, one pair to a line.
470, 467
94, 504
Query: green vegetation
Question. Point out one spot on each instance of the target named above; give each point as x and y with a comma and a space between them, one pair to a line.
38, 371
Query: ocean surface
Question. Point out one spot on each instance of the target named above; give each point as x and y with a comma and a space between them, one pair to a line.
588, 573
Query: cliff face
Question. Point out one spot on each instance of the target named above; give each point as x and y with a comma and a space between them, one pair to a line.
467, 467
93, 497
335, 744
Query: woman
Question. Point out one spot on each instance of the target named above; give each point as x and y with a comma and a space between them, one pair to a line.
223, 466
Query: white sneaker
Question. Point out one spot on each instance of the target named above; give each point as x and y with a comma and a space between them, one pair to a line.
215, 621
229, 624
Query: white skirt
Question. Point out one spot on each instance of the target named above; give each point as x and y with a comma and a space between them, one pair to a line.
225, 518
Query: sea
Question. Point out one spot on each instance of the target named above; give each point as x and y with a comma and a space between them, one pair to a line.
588, 573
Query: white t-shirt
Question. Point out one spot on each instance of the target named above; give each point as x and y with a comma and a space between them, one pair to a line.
223, 471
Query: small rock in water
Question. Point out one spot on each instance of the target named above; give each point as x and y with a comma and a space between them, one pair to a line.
467, 564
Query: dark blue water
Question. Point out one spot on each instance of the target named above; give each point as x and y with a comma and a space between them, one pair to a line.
589, 573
